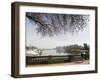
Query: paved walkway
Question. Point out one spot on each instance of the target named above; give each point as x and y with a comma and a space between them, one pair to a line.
61, 64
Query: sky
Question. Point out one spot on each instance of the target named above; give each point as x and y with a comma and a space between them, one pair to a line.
34, 39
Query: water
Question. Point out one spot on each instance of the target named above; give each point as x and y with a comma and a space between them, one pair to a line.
52, 52
48, 52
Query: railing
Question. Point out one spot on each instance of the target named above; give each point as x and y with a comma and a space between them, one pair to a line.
32, 60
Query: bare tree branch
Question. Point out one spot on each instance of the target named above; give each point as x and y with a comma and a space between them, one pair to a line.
54, 24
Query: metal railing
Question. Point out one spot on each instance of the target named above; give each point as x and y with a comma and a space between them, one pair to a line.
32, 60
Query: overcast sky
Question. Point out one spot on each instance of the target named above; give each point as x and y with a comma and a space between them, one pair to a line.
34, 39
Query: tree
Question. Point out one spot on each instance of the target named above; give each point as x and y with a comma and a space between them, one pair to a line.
86, 55
53, 24
86, 46
73, 49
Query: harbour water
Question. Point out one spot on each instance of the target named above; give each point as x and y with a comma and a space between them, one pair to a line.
47, 52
